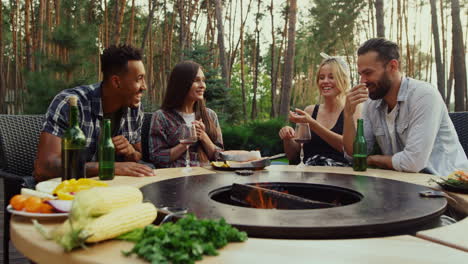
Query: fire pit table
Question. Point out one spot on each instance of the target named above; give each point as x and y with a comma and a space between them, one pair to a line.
208, 193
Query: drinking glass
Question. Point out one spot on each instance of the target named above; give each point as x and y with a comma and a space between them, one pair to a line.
301, 136
188, 136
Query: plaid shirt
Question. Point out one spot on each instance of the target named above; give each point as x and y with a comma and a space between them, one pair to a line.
90, 117
165, 133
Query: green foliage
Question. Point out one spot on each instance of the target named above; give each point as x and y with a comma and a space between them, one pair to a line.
78, 38
217, 94
183, 242
256, 135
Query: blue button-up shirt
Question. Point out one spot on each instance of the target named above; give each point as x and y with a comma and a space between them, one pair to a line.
425, 136
91, 116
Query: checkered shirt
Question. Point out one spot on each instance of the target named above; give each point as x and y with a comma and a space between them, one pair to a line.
90, 117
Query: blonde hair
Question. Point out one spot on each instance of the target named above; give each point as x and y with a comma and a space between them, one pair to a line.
340, 75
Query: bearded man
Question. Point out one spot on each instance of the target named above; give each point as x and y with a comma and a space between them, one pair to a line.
405, 118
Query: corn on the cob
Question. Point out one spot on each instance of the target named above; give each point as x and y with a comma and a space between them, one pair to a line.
120, 221
102, 200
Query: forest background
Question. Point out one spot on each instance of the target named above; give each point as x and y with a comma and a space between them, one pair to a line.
260, 56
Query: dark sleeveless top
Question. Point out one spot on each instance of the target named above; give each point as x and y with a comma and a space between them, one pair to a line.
318, 146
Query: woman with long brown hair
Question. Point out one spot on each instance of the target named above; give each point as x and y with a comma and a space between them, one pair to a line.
184, 104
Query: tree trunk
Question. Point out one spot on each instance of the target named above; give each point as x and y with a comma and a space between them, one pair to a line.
222, 50
450, 83
182, 25
233, 55
118, 29
379, 16
409, 59
148, 24
244, 100
273, 68
106, 25
27, 33
253, 115
132, 23
458, 58
444, 37
289, 61
371, 15
439, 65
278, 59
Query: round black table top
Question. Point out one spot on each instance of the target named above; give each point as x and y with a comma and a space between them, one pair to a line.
387, 206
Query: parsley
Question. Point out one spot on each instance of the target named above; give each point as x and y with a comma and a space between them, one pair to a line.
183, 242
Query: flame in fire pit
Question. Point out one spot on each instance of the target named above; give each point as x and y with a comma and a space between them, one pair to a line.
257, 199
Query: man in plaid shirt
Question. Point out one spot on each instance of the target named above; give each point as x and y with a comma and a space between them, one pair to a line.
116, 98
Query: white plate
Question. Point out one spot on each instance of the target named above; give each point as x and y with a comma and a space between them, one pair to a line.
35, 215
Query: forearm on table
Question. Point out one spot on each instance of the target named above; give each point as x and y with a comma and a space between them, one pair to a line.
381, 161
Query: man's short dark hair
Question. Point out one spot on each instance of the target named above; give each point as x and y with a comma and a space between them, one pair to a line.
386, 50
114, 59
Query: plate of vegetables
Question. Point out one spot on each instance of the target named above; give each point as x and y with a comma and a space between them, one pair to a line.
457, 181
37, 207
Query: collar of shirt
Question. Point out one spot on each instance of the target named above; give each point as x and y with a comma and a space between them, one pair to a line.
402, 94
96, 103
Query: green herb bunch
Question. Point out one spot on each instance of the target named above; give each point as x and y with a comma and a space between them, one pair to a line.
183, 242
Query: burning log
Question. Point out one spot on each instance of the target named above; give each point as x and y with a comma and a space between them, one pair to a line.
259, 197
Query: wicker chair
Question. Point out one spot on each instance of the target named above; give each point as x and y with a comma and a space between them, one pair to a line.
460, 121
19, 137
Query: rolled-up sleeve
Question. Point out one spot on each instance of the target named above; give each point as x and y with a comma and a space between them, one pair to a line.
160, 150
423, 125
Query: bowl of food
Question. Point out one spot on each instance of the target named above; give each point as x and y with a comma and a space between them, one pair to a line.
457, 181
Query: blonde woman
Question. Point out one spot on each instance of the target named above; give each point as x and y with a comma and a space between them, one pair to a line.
325, 120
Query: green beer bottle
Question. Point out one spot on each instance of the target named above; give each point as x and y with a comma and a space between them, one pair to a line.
73, 146
106, 153
360, 148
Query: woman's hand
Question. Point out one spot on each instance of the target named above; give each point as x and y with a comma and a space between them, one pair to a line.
300, 117
200, 127
286, 132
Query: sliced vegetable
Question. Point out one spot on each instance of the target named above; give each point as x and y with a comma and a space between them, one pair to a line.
66, 189
29, 192
47, 186
61, 206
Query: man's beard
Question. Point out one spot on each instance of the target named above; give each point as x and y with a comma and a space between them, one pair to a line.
381, 87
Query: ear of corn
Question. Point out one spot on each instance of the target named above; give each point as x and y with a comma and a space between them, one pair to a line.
102, 200
121, 221
118, 209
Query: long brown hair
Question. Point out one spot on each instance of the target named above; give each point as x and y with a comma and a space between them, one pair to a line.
180, 82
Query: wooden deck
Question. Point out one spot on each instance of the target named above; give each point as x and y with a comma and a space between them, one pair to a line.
15, 256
